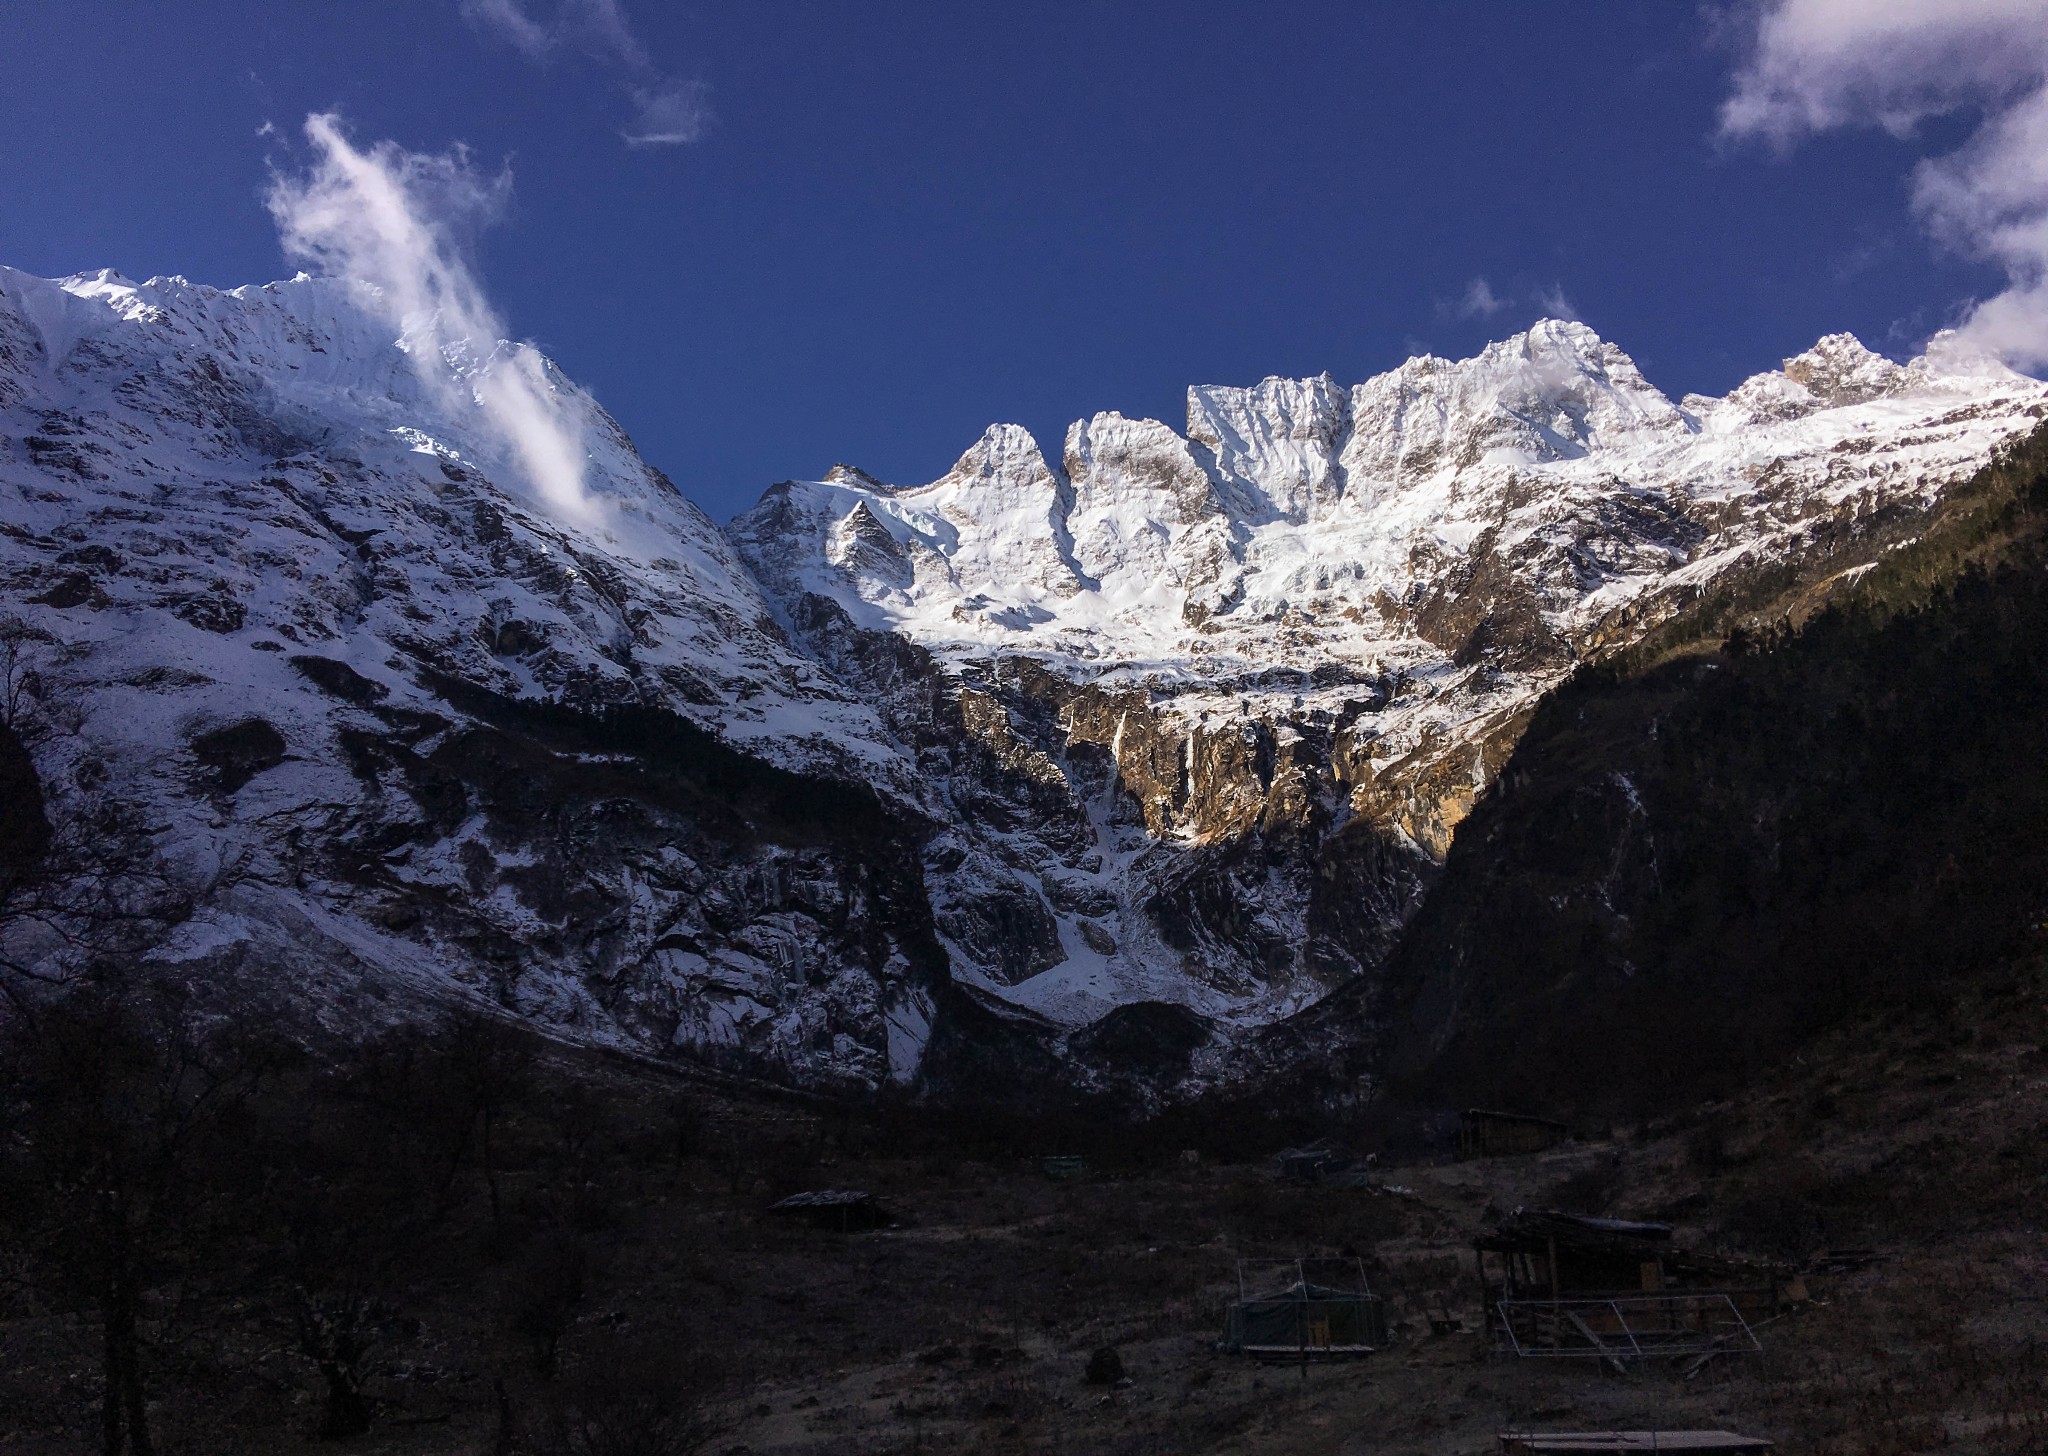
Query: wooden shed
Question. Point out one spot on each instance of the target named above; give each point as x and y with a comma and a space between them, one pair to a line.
1563, 1284
843, 1210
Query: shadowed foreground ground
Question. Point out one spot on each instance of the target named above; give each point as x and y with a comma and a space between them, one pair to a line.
631, 1253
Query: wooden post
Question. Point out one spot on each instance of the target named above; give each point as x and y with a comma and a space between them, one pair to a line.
1556, 1293
1301, 1319
1485, 1296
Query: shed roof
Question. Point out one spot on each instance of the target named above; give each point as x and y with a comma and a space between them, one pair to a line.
1531, 1227
825, 1198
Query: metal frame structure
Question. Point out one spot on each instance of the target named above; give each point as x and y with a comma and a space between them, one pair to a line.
1624, 1328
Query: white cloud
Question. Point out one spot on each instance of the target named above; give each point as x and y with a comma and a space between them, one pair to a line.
604, 24
1479, 301
1554, 304
1816, 65
668, 111
508, 20
392, 222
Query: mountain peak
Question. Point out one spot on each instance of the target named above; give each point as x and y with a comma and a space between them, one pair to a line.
1005, 453
844, 474
1839, 370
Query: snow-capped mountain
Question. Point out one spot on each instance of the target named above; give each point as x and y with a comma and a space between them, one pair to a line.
292, 602
1086, 766
1262, 668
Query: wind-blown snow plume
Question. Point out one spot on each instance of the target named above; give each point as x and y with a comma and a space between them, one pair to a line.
1822, 64
390, 221
1555, 305
1480, 301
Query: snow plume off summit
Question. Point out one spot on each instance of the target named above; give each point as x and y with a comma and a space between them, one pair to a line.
390, 222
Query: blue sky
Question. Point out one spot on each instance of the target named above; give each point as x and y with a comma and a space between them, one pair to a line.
904, 221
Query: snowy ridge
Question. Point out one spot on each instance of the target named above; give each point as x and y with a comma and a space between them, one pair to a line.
250, 443
1298, 521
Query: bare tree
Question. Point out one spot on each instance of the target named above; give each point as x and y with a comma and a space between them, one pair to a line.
111, 1084
21, 676
353, 1152
630, 1398
542, 1298
338, 1333
116, 1099
81, 881
490, 1065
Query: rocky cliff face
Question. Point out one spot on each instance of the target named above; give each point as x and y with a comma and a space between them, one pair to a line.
1083, 770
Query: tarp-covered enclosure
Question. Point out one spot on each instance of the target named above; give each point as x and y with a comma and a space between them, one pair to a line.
1628, 1443
1310, 1164
1304, 1309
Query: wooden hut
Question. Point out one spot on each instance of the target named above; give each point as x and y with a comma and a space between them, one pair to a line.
842, 1210
1569, 1285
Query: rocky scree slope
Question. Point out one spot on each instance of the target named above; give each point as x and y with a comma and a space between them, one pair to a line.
403, 729
1208, 708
